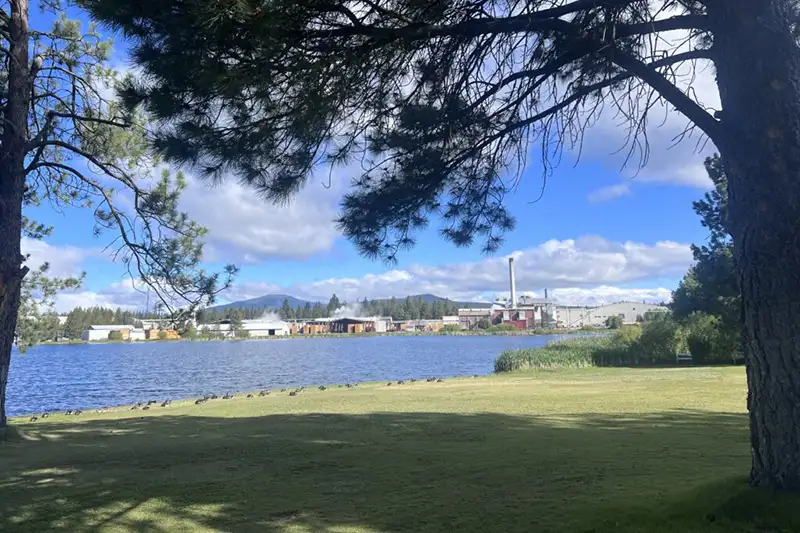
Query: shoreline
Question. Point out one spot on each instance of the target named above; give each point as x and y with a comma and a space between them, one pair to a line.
521, 333
277, 391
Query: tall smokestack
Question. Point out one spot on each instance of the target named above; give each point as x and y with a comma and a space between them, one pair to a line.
512, 279
545, 294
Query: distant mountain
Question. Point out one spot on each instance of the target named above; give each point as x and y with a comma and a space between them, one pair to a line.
271, 301
274, 301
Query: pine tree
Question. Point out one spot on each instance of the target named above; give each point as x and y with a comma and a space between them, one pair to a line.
333, 305
286, 311
482, 82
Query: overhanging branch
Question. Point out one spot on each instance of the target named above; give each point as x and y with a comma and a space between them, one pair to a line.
671, 93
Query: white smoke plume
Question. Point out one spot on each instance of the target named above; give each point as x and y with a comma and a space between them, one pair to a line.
270, 316
349, 310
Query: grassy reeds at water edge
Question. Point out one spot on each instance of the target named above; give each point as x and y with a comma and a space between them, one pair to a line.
654, 345
571, 353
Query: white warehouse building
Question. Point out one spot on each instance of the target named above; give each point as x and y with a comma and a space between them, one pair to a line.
255, 328
575, 317
258, 329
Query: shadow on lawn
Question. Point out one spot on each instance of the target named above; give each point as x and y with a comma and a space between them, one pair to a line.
382, 472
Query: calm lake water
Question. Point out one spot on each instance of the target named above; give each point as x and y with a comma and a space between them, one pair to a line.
87, 376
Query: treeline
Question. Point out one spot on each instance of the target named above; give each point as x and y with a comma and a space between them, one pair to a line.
79, 319
409, 308
399, 309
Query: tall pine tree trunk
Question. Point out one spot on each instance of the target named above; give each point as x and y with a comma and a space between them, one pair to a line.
758, 70
12, 185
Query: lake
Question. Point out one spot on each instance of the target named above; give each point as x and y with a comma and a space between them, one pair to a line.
88, 376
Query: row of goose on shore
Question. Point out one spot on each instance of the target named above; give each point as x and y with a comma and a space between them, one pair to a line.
145, 406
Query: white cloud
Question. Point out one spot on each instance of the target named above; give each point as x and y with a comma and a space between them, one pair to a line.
604, 194
668, 155
590, 264
249, 290
585, 270
605, 294
123, 294
65, 261
243, 228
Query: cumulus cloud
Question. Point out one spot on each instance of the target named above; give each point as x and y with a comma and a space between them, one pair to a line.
605, 294
124, 294
243, 228
669, 154
588, 265
64, 261
586, 270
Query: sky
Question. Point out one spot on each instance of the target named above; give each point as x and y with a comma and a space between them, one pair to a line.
599, 232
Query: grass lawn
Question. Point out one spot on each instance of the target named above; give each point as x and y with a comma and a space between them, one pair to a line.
595, 450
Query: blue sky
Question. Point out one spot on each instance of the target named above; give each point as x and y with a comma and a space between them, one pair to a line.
599, 233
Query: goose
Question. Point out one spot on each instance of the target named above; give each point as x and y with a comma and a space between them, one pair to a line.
146, 408
34, 418
249, 396
293, 393
227, 396
264, 393
323, 387
200, 400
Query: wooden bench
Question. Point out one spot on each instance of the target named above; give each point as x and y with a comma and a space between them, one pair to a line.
683, 357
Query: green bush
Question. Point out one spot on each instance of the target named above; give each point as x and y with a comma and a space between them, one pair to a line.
614, 322
450, 328
504, 327
190, 333
242, 334
162, 335
483, 324
659, 341
627, 336
115, 336
709, 341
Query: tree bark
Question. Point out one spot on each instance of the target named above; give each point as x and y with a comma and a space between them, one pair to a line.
758, 72
12, 185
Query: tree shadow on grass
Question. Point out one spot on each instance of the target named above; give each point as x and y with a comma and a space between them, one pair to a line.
389, 472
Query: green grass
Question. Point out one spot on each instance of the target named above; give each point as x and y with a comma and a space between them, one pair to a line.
595, 450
